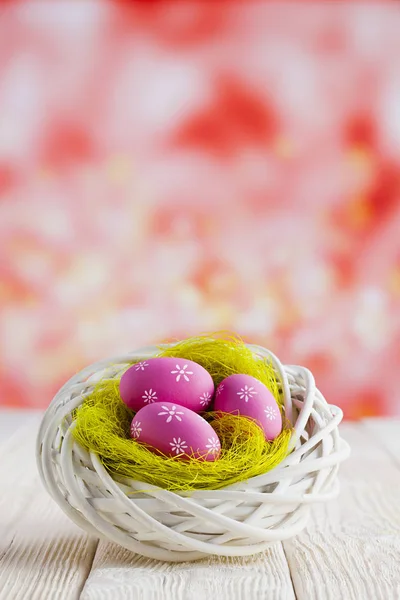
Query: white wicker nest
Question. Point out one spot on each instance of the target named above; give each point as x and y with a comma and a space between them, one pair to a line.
238, 520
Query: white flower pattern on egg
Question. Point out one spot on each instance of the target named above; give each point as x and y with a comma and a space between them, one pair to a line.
205, 399
136, 429
182, 372
213, 445
178, 446
173, 412
140, 366
149, 396
174, 379
249, 397
270, 413
246, 393
220, 388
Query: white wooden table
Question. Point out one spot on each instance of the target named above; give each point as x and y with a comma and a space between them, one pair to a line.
350, 550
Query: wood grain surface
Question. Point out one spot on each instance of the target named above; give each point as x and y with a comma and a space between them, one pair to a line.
350, 549
43, 555
117, 571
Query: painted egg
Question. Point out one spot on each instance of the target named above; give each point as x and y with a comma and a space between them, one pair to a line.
247, 396
167, 379
175, 430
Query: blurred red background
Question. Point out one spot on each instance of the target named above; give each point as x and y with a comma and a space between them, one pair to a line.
174, 168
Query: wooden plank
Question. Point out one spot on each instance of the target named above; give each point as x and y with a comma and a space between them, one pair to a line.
351, 547
43, 556
387, 433
11, 420
119, 574
349, 550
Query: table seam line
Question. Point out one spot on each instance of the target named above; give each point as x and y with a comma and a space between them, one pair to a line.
90, 567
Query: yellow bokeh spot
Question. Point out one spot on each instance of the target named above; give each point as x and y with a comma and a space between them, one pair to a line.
289, 317
119, 168
44, 173
359, 212
224, 314
394, 281
360, 157
283, 147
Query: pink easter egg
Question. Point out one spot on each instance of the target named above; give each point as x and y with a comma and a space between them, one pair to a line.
167, 379
247, 396
175, 430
